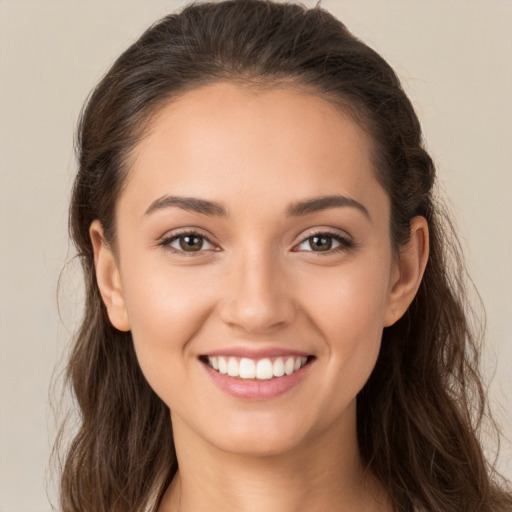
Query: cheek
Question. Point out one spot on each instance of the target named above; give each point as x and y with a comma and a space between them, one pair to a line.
350, 299
161, 305
166, 308
348, 309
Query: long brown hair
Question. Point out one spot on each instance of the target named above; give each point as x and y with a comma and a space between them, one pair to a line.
418, 415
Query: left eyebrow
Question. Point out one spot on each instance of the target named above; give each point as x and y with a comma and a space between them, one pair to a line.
317, 204
193, 204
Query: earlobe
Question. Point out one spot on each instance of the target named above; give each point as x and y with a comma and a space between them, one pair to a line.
108, 278
411, 266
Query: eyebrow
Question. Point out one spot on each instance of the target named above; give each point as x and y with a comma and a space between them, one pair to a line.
323, 203
192, 204
297, 209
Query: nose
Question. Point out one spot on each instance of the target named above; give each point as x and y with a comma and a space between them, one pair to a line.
258, 297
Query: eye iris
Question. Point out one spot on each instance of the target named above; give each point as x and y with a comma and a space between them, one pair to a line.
320, 242
191, 243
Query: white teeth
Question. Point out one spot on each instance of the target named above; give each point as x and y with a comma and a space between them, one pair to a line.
279, 367
223, 365
247, 369
289, 366
262, 369
233, 367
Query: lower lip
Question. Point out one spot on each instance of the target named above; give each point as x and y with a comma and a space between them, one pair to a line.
256, 389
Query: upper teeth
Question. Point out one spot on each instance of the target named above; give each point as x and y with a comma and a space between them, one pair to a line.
262, 369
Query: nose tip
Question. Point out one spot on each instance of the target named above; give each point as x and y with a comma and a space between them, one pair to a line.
258, 299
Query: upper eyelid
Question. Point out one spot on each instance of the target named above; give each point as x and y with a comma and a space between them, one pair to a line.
334, 232
345, 242
169, 235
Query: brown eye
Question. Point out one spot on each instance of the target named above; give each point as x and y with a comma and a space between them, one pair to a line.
191, 243
188, 243
328, 243
320, 243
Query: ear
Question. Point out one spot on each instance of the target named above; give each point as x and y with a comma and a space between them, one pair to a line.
108, 278
408, 271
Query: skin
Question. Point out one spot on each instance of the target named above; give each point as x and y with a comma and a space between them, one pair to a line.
259, 284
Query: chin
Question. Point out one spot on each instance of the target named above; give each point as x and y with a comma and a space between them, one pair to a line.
266, 436
259, 445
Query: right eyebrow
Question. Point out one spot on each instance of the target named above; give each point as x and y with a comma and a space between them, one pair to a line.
317, 204
193, 204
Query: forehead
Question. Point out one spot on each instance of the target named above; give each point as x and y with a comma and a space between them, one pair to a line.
223, 140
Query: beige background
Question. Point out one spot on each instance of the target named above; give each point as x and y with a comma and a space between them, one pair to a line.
454, 57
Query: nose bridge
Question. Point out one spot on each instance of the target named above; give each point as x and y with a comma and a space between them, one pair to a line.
257, 297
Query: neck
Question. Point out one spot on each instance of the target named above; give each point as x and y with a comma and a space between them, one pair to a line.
325, 476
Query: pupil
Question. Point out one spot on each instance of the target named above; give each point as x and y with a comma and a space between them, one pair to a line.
191, 243
321, 243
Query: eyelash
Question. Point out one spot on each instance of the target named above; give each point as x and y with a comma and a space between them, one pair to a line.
344, 243
167, 241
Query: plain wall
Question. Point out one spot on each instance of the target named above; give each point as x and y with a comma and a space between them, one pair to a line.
454, 57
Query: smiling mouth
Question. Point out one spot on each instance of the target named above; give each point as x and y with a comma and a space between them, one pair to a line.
256, 369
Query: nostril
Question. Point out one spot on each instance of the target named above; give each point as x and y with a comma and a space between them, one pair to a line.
257, 316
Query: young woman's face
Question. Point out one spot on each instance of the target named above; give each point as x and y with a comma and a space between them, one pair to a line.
253, 239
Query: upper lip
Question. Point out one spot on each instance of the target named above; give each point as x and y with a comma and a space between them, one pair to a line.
256, 353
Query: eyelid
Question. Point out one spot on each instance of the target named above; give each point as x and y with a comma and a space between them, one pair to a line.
166, 240
344, 239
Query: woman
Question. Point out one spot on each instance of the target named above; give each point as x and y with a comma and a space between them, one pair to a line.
273, 319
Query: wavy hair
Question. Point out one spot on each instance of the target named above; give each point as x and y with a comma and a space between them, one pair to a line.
418, 416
